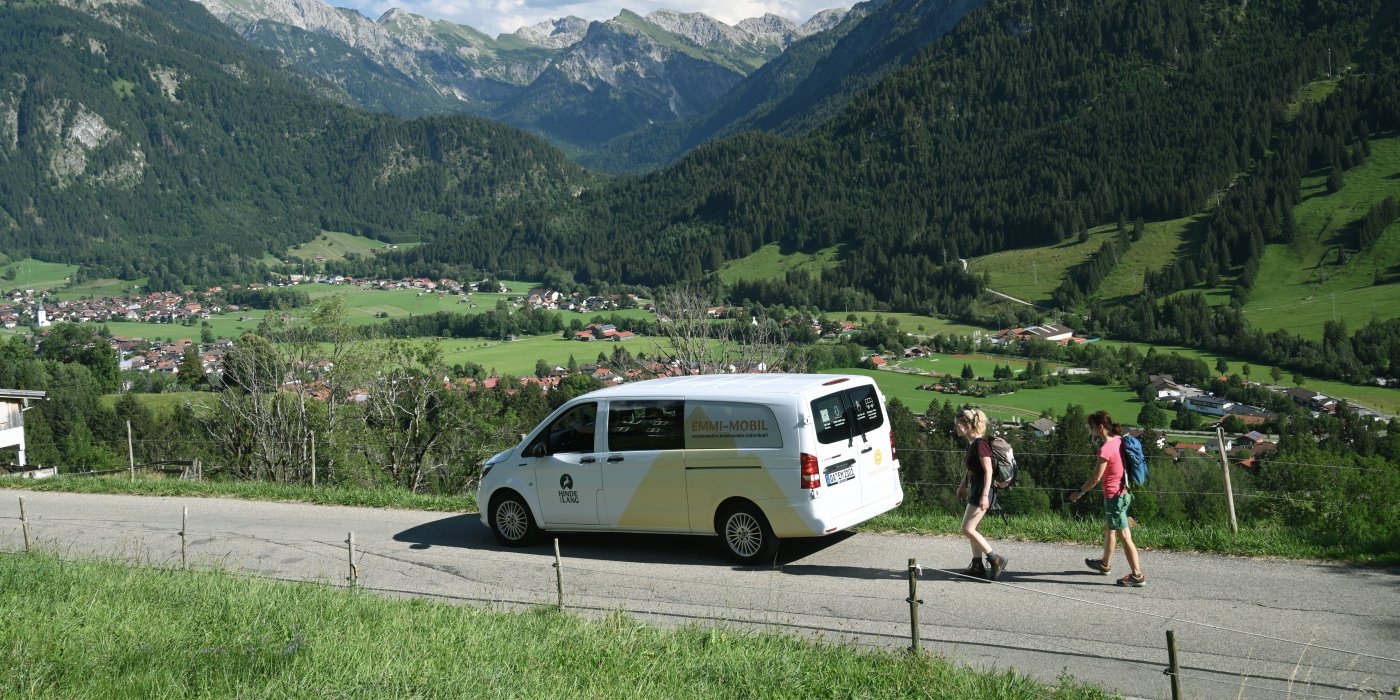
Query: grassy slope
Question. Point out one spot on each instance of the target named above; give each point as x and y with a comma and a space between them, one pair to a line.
334, 245
1032, 274
36, 274
105, 287
1299, 283
103, 630
1161, 243
769, 262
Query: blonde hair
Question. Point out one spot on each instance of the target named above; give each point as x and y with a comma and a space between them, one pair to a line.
973, 418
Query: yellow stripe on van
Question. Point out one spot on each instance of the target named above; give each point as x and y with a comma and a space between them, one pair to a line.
659, 501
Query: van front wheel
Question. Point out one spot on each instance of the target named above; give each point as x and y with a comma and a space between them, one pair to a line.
746, 534
511, 522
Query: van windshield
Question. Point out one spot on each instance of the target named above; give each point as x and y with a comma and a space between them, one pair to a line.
846, 414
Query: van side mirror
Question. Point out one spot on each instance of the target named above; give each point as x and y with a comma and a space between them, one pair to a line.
537, 449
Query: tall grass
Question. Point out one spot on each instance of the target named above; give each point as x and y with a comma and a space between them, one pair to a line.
99, 630
1254, 539
253, 490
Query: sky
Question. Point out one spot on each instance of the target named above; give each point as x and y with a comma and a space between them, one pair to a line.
504, 16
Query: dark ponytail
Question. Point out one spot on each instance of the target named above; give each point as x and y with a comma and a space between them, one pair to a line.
1101, 419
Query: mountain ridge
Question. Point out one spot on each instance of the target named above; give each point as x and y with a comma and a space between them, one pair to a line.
535, 77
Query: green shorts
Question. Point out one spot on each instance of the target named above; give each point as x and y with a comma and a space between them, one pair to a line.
1115, 510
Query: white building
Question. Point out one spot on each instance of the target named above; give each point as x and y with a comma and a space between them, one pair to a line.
13, 404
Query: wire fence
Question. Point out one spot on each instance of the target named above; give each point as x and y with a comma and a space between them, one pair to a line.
769, 599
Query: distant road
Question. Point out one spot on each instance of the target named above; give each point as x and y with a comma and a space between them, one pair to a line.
1049, 613
1008, 296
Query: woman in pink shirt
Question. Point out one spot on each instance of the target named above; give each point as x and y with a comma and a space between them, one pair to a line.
1116, 499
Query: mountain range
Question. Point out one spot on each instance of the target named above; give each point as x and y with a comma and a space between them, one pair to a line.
144, 138
575, 82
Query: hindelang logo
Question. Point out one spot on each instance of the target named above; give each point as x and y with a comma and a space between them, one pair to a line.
566, 482
567, 494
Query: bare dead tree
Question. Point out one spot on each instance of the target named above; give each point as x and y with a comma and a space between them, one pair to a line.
694, 341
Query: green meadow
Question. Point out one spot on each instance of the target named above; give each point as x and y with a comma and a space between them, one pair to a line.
1378, 397
1026, 404
98, 288
769, 262
1302, 285
1161, 243
518, 357
35, 274
1032, 274
335, 245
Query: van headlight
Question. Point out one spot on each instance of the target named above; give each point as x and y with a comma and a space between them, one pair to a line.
493, 461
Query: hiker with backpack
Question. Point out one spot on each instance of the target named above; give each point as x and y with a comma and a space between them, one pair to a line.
1116, 497
976, 487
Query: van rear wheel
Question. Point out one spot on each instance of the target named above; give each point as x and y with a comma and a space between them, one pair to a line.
511, 522
746, 534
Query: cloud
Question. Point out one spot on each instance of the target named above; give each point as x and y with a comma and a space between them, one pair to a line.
504, 16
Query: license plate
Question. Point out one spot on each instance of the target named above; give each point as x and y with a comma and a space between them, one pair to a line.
840, 475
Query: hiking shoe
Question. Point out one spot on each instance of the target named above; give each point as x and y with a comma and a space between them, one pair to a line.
1134, 580
1098, 565
976, 569
996, 564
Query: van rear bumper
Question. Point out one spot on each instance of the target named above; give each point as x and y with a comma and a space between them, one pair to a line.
809, 524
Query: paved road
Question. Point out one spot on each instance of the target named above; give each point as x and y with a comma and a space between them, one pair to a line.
1049, 615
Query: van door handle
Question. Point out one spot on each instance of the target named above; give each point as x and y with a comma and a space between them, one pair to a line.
614, 459
866, 450
587, 460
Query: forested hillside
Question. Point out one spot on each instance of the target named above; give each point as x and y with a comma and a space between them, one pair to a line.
1027, 123
148, 139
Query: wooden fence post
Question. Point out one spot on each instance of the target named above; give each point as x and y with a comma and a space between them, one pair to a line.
914, 603
313, 460
130, 453
354, 577
558, 574
24, 524
1225, 466
184, 524
1174, 670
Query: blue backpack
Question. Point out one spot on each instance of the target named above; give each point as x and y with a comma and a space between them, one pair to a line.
1134, 461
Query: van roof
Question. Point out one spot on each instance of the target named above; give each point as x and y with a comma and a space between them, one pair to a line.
730, 386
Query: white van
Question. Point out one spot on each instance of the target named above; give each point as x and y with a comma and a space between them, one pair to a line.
750, 457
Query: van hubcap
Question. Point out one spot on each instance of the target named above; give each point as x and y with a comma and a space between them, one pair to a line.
511, 520
744, 534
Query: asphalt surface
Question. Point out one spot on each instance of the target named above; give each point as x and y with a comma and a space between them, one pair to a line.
1245, 628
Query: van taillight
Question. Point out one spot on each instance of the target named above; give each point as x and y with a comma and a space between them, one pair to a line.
894, 452
811, 474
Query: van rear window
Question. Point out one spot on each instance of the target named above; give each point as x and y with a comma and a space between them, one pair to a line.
846, 414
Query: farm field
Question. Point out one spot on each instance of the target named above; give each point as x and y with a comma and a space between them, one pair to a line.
769, 262
105, 287
1380, 398
36, 274
518, 357
1161, 243
1032, 274
335, 245
1301, 285
361, 306
1024, 405
915, 324
982, 365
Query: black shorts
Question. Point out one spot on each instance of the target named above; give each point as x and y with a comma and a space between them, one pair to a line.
974, 494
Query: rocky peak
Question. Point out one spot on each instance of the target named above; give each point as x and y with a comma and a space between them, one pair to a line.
555, 33
822, 21
697, 27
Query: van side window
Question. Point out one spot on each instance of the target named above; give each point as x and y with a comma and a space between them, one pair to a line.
729, 425
847, 414
645, 425
571, 432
